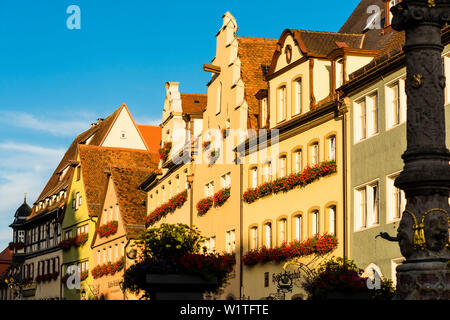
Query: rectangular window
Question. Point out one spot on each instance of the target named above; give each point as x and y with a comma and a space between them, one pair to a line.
225, 180
367, 206
298, 161
254, 238
315, 222
366, 117
78, 173
267, 174
268, 235
298, 96
332, 220
282, 103
396, 103
282, 167
264, 113
254, 177
230, 239
396, 201
339, 73
283, 232
315, 153
298, 228
21, 236
332, 148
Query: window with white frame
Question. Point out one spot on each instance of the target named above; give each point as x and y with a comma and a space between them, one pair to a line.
332, 148
298, 96
367, 206
315, 222
264, 112
332, 220
219, 98
282, 166
298, 224
209, 189
314, 150
254, 238
268, 235
282, 234
21, 236
282, 101
267, 172
297, 160
396, 201
339, 73
366, 117
230, 239
82, 229
225, 180
395, 103
254, 177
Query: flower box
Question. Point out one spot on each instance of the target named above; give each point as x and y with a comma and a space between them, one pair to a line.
168, 207
308, 176
221, 197
204, 205
108, 229
80, 240
165, 151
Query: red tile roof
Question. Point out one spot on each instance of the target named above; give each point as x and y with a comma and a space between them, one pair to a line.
132, 201
95, 160
254, 54
5, 260
151, 135
193, 102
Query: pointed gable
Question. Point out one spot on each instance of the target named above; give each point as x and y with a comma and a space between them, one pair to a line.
123, 133
151, 136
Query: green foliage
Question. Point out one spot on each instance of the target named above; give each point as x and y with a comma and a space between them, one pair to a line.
170, 241
386, 292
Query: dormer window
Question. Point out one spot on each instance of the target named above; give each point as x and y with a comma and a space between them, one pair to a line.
264, 112
340, 76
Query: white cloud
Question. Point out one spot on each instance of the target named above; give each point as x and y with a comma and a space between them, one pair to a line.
55, 126
148, 121
24, 168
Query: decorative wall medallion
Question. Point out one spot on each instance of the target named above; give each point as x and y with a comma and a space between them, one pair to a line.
417, 80
288, 52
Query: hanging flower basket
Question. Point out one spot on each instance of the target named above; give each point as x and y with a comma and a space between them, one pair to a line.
80, 240
65, 244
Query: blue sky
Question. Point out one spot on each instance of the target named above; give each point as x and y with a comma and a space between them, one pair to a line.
54, 82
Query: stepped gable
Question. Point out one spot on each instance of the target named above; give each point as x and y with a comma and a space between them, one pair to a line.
97, 161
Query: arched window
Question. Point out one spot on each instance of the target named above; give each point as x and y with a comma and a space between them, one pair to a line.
268, 235
297, 161
253, 238
282, 166
315, 222
282, 107
332, 148
282, 235
314, 149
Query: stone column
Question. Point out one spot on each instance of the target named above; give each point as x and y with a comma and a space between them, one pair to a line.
423, 232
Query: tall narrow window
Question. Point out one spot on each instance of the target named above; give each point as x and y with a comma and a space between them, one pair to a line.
283, 232
332, 148
297, 96
254, 238
396, 200
298, 228
268, 235
254, 177
267, 172
282, 164
372, 114
366, 117
297, 161
315, 153
332, 220
264, 113
367, 206
219, 98
282, 103
339, 73
315, 222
